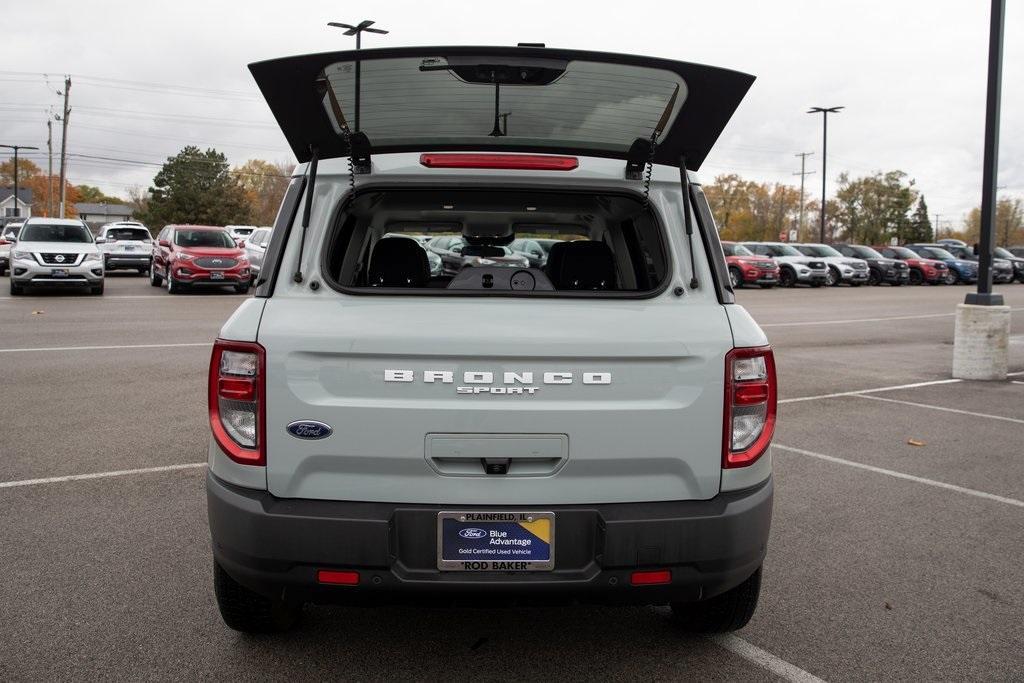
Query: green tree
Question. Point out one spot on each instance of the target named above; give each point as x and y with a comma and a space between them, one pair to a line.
875, 208
94, 195
197, 187
920, 227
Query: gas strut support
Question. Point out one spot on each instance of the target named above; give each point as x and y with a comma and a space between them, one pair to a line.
684, 179
314, 154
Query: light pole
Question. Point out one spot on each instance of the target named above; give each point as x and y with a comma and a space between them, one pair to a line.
824, 111
17, 211
357, 31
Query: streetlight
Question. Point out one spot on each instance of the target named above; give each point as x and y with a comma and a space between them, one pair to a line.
357, 31
824, 111
17, 212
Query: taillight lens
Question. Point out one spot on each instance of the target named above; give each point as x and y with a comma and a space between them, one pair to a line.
237, 401
751, 395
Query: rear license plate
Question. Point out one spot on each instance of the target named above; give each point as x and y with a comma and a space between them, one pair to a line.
495, 541
59, 272
129, 248
216, 276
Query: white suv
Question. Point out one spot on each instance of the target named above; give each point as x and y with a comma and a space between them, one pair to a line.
126, 245
853, 271
55, 252
597, 429
794, 267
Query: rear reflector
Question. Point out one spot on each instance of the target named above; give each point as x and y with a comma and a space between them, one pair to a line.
236, 389
336, 578
521, 162
651, 578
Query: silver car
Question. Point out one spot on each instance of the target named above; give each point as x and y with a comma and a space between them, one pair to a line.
56, 252
255, 246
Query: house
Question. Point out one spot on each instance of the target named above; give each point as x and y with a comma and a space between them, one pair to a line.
8, 211
96, 215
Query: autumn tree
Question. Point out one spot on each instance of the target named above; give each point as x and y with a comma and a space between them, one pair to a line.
1009, 227
747, 210
197, 187
264, 184
26, 170
874, 208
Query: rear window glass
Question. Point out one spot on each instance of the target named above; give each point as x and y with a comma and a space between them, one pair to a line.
117, 234
44, 232
507, 243
442, 101
203, 238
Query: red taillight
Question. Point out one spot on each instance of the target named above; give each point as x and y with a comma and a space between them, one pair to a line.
237, 405
521, 162
651, 578
751, 394
337, 578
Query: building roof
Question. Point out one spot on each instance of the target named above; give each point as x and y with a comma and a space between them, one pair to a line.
91, 209
24, 194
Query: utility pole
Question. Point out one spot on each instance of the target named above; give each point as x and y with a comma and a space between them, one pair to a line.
64, 142
49, 166
936, 231
803, 174
17, 211
824, 111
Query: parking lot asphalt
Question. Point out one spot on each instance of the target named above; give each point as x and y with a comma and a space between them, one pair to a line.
896, 553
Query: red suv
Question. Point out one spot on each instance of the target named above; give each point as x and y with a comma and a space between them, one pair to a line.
193, 255
747, 267
922, 270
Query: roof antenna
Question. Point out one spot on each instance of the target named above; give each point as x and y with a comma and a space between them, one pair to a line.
314, 154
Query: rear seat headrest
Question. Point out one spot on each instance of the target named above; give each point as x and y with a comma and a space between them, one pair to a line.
582, 264
398, 262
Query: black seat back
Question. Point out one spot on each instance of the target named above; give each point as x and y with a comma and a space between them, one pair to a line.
398, 262
582, 264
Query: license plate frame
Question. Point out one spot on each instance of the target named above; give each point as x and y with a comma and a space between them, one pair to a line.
512, 556
59, 272
216, 276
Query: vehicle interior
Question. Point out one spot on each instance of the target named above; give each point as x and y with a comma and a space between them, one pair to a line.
604, 244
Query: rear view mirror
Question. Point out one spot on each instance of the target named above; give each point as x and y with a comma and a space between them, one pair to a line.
101, 240
164, 243
976, 250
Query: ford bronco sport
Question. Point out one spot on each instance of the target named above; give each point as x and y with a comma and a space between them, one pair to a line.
593, 430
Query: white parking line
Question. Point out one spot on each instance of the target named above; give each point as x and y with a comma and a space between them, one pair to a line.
105, 348
853, 321
942, 408
871, 391
901, 475
764, 659
98, 475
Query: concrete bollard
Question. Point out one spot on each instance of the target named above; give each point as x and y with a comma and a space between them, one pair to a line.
981, 342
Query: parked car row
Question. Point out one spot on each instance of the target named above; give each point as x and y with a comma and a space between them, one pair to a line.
950, 262
63, 253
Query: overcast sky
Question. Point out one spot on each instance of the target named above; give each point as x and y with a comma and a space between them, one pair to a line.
911, 74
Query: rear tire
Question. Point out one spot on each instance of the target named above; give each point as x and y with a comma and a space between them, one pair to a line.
787, 278
247, 611
729, 611
735, 277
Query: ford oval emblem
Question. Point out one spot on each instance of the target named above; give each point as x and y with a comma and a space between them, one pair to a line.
309, 429
472, 533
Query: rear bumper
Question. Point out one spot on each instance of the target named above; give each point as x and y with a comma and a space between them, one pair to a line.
115, 261
275, 547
